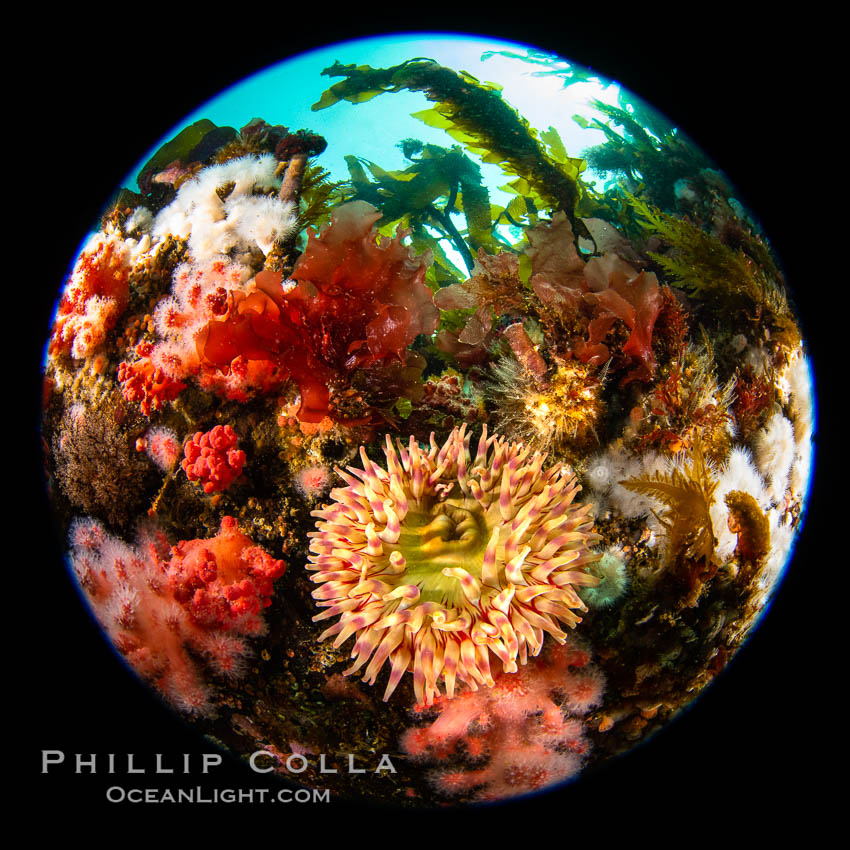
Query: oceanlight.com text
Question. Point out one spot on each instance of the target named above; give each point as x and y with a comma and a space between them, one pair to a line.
118, 794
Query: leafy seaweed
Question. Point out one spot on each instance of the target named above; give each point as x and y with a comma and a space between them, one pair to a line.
687, 493
699, 262
319, 195
438, 183
179, 146
474, 114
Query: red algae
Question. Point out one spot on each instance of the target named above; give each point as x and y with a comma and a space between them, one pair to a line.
356, 301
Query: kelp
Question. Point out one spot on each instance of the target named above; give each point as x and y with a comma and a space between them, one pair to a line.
474, 114
550, 65
185, 148
439, 182
649, 152
708, 269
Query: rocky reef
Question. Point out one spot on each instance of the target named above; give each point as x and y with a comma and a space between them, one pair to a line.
539, 457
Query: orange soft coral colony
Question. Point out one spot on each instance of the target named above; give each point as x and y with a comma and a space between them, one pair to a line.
96, 295
224, 581
147, 384
445, 558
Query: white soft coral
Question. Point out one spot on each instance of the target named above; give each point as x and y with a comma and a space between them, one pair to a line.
227, 208
775, 450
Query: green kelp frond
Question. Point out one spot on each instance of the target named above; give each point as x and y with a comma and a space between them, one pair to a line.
634, 112
181, 146
687, 493
648, 151
440, 182
633, 132
474, 114
701, 264
442, 272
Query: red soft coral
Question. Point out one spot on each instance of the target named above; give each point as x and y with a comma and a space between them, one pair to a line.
523, 734
170, 618
213, 458
225, 581
96, 295
143, 382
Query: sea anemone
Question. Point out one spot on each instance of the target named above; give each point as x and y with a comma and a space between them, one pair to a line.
445, 557
313, 482
614, 580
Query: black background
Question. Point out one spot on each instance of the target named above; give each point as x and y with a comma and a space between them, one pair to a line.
96, 90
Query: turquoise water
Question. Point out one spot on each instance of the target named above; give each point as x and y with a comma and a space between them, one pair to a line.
284, 93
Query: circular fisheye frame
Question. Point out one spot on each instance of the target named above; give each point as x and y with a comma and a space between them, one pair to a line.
443, 418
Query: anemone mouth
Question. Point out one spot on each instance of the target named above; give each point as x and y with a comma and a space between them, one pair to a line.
446, 558
456, 537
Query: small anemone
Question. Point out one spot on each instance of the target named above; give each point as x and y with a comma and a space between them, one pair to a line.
611, 570
558, 412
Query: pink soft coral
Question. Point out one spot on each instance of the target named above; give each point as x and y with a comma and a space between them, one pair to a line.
146, 600
96, 295
523, 734
162, 446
